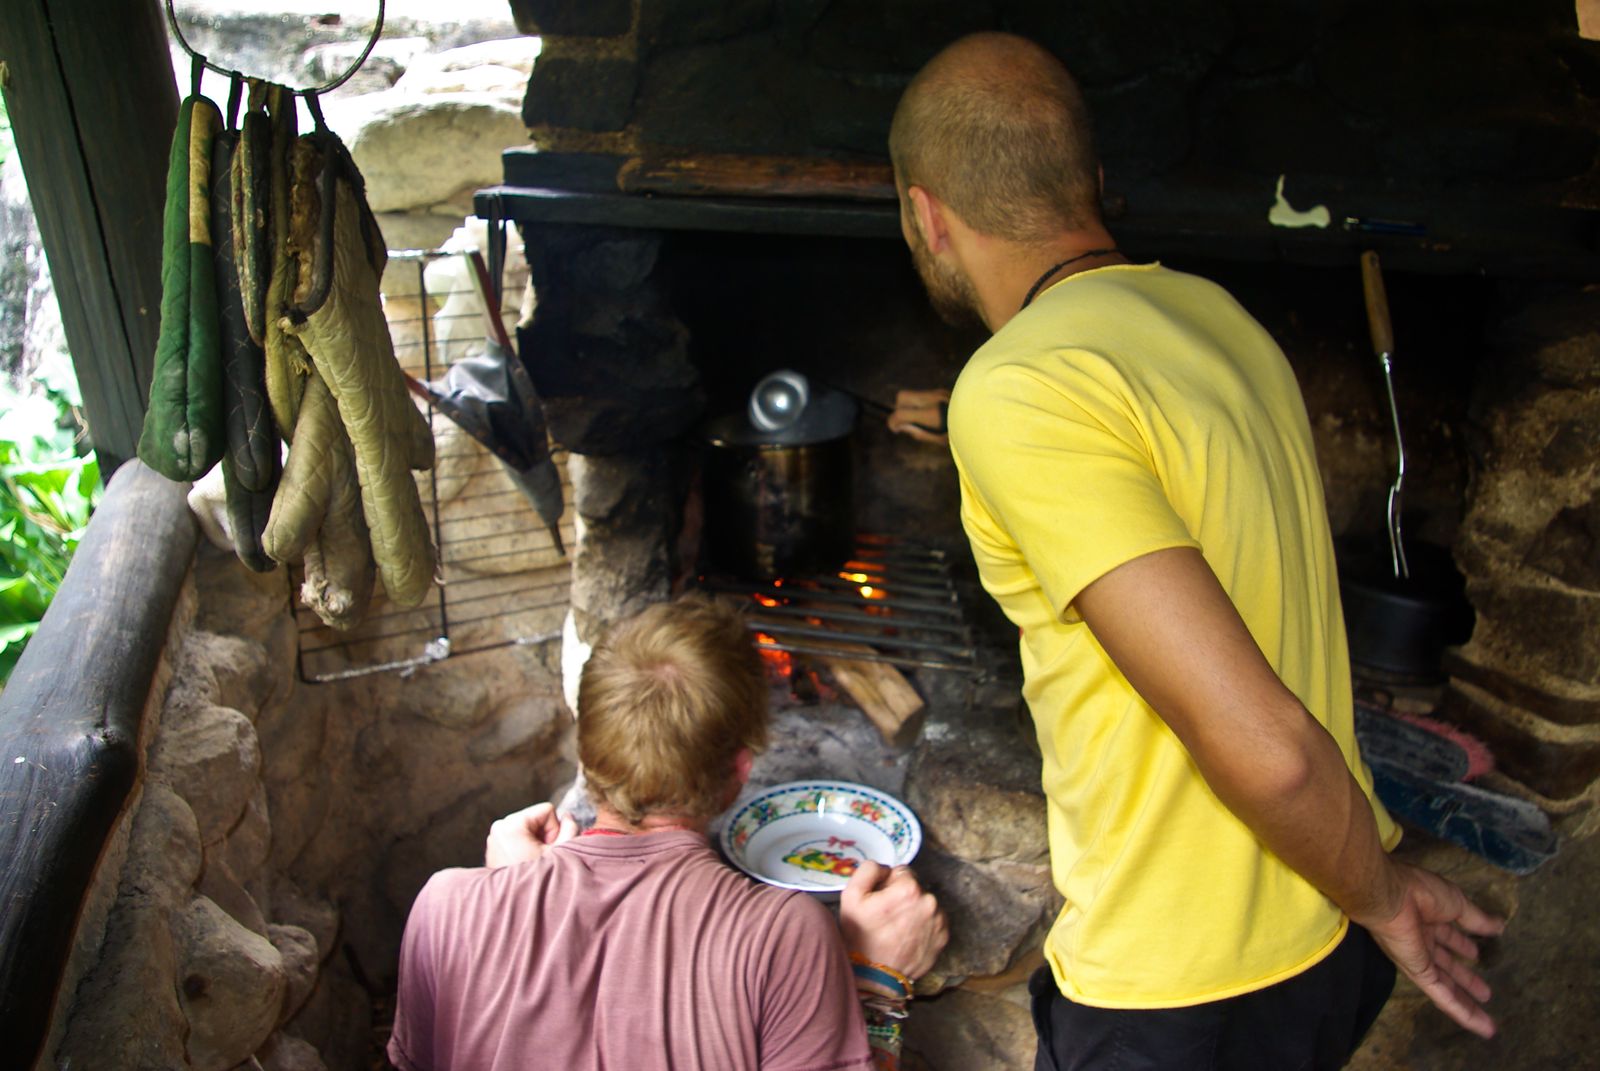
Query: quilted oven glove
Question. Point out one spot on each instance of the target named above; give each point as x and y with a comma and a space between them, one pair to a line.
183, 432
348, 341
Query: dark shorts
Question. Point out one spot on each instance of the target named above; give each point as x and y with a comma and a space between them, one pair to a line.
1314, 1020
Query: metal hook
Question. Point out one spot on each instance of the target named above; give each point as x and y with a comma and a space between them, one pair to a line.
228, 72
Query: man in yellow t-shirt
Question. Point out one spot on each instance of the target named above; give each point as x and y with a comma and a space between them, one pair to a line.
1142, 498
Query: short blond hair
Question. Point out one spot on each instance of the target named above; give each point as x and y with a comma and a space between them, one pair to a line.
666, 700
997, 128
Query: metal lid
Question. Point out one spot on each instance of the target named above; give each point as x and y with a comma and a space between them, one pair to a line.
829, 415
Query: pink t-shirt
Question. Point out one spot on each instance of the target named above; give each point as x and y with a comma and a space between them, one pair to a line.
622, 954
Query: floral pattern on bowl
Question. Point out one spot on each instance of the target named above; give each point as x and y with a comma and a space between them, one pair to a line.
775, 836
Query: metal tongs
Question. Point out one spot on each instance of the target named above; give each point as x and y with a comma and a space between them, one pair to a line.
1383, 346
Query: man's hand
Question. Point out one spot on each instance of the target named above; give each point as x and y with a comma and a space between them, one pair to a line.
1429, 937
526, 834
1168, 625
920, 414
887, 917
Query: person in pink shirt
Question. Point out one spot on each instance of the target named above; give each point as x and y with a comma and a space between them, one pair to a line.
633, 947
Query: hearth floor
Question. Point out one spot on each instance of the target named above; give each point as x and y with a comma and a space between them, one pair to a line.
1544, 971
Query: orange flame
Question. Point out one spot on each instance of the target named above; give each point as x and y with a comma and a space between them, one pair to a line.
780, 662
766, 600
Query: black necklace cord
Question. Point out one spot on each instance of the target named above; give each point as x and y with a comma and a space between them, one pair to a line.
1033, 291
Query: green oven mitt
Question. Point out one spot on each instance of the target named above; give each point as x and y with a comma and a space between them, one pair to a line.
183, 432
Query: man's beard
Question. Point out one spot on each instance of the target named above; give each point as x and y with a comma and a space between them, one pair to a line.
952, 294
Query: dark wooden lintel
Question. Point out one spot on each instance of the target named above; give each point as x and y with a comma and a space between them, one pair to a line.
1458, 236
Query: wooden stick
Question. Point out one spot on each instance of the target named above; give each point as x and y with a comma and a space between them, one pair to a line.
881, 691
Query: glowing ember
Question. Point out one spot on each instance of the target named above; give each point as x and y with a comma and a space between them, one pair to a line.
766, 600
779, 663
856, 578
870, 592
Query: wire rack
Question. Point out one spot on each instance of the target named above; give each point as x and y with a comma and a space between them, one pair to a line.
505, 581
894, 601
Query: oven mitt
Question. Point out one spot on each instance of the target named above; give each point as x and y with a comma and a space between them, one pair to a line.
252, 436
287, 364
317, 515
250, 460
183, 433
337, 315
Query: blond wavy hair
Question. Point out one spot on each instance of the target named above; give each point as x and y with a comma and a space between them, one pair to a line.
666, 700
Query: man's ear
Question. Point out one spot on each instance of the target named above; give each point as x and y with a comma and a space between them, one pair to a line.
929, 215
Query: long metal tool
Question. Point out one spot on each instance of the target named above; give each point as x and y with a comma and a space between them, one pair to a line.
1383, 346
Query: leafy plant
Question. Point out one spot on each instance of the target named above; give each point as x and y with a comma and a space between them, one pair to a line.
48, 488
5, 131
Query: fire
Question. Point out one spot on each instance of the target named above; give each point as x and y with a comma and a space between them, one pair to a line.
870, 592
766, 600
855, 578
779, 662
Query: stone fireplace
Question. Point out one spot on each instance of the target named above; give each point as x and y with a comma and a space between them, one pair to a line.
309, 814
666, 289
704, 203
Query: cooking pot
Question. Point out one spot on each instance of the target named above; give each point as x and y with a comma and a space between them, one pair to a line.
1400, 626
781, 502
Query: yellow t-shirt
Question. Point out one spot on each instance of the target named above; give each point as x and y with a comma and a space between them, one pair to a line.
1131, 409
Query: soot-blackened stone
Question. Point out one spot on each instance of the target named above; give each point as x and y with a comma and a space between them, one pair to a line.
721, 98
1572, 446
1142, 128
665, 24
582, 94
1569, 547
1488, 148
1283, 128
562, 18
894, 37
1106, 43
1271, 35
843, 113
1556, 769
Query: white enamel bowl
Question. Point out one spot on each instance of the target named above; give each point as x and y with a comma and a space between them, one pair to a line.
812, 835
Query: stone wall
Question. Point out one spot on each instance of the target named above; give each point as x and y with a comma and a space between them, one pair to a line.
1529, 680
1421, 95
284, 829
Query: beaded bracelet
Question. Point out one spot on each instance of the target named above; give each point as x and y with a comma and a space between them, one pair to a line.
880, 974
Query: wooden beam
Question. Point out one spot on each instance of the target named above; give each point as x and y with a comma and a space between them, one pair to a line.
72, 738
89, 90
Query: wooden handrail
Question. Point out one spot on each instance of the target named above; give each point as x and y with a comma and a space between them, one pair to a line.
70, 736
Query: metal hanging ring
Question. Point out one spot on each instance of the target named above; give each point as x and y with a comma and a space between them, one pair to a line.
228, 72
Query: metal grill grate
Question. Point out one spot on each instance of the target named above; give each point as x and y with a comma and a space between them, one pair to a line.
894, 601
505, 582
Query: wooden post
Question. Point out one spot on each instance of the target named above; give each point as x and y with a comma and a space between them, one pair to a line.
89, 89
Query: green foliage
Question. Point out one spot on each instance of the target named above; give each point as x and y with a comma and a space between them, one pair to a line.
47, 491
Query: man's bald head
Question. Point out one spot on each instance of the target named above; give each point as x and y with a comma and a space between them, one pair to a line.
996, 128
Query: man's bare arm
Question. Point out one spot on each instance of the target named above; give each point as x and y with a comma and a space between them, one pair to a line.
1173, 632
